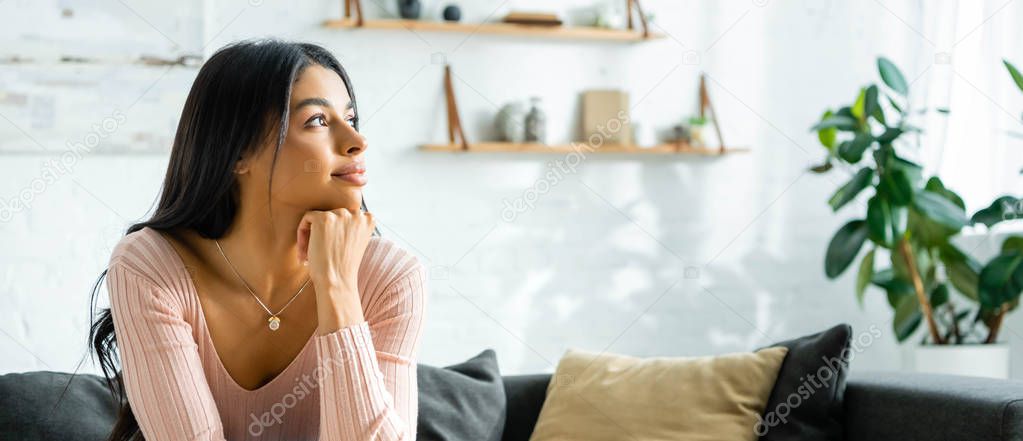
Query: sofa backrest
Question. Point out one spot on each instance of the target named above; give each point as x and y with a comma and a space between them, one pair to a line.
879, 406
898, 406
46, 405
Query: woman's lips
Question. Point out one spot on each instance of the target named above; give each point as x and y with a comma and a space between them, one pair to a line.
357, 177
354, 173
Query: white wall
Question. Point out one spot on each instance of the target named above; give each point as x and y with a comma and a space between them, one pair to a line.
643, 256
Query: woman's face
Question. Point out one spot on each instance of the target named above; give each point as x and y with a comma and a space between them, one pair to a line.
321, 165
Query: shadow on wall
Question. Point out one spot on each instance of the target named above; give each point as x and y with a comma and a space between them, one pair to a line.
647, 258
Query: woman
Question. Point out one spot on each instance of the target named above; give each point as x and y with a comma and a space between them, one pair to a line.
259, 301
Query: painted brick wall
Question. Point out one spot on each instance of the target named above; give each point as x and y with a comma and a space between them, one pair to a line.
642, 256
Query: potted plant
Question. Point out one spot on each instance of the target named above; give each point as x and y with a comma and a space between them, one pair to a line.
694, 127
908, 231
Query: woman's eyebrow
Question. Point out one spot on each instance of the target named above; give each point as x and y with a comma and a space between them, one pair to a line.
323, 102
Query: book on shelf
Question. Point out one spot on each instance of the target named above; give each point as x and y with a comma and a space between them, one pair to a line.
532, 18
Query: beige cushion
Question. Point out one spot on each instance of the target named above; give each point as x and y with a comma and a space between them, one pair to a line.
596, 397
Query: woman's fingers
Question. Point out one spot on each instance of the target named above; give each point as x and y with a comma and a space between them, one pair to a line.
304, 232
336, 240
356, 217
370, 221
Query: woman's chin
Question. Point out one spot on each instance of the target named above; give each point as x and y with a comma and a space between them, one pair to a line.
352, 202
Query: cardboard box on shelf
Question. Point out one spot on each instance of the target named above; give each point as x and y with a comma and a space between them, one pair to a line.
605, 114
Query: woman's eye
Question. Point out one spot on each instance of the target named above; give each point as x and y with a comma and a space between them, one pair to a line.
320, 118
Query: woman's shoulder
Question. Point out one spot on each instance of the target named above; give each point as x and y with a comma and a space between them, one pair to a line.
386, 262
146, 254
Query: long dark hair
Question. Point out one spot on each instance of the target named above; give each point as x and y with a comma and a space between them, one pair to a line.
239, 97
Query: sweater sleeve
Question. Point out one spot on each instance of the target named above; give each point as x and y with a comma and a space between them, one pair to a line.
369, 390
160, 364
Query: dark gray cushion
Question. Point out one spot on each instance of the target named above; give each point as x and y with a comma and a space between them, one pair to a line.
465, 401
526, 394
806, 401
30, 409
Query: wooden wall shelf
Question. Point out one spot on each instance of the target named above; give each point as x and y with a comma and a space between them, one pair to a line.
510, 147
509, 29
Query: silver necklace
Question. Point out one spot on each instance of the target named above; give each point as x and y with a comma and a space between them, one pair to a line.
274, 322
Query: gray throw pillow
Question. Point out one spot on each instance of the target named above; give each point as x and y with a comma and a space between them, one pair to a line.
806, 401
465, 401
30, 410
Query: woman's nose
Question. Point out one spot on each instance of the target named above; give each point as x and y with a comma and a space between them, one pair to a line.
353, 143
357, 147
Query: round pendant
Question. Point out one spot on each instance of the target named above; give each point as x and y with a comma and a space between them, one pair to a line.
275, 323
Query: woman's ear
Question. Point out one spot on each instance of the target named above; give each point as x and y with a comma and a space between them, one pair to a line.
241, 166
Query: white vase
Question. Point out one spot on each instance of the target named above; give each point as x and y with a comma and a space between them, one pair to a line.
644, 135
973, 360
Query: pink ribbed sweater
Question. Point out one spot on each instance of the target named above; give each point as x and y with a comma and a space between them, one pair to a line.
357, 383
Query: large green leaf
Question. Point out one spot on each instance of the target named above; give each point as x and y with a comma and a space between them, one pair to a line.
863, 276
892, 76
844, 246
895, 286
852, 151
934, 185
870, 102
889, 135
900, 221
1001, 280
962, 270
840, 122
895, 184
927, 266
939, 210
858, 105
964, 279
879, 222
879, 115
899, 264
928, 232
1003, 208
889, 233
848, 192
829, 135
912, 170
907, 317
1016, 76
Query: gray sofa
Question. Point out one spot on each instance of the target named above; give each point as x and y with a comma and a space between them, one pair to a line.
878, 407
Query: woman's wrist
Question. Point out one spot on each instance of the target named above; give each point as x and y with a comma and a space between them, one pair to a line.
337, 307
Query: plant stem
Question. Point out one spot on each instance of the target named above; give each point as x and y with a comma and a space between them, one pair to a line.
996, 324
955, 323
921, 296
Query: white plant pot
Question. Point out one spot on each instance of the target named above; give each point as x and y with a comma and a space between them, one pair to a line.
974, 360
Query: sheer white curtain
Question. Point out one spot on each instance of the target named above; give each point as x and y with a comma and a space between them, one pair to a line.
977, 149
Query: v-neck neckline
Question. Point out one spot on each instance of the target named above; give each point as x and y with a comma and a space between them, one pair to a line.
194, 292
